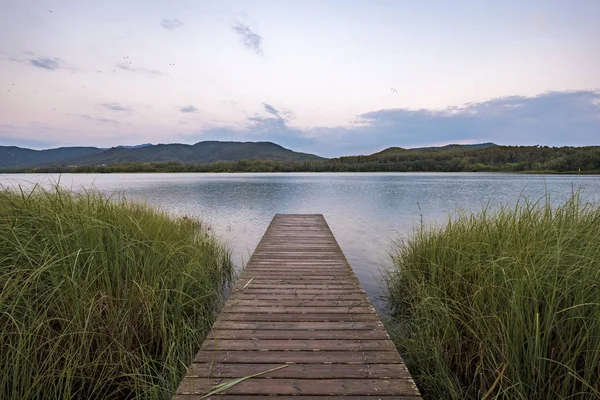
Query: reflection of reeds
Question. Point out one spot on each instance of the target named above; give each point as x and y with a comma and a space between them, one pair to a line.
101, 298
502, 305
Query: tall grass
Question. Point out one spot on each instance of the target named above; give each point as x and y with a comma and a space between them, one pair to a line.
101, 298
502, 305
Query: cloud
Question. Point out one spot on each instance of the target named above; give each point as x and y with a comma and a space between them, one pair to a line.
171, 24
108, 121
188, 109
282, 114
7, 56
271, 110
140, 70
250, 40
114, 107
273, 128
553, 119
47, 63
277, 120
99, 120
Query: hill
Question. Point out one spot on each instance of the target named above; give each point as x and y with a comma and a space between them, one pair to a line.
467, 158
17, 157
392, 151
199, 153
452, 147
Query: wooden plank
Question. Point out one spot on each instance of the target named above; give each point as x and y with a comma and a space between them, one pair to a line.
299, 357
298, 345
339, 334
303, 387
303, 292
307, 276
298, 243
245, 397
296, 310
294, 296
343, 283
287, 271
314, 286
299, 304
270, 261
298, 277
306, 371
278, 281
298, 266
313, 326
280, 268
300, 293
307, 258
297, 317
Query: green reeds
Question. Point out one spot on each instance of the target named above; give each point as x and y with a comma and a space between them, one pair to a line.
502, 305
101, 298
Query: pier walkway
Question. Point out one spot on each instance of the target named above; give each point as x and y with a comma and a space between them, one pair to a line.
299, 305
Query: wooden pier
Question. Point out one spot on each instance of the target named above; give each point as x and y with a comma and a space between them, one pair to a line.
299, 304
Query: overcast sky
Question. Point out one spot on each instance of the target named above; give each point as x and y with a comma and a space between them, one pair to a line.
328, 77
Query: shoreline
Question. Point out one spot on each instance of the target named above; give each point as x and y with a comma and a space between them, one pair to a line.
62, 171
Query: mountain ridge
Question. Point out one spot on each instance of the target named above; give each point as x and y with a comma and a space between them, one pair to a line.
449, 147
18, 157
199, 153
244, 157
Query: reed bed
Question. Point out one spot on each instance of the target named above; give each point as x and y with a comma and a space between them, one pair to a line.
502, 304
101, 298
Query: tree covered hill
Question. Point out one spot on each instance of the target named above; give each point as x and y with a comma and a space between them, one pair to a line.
458, 158
199, 153
390, 151
13, 157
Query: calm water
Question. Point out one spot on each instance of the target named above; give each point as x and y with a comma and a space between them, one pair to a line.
366, 212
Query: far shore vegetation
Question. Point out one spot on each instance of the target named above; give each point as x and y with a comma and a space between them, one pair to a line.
502, 305
101, 298
517, 159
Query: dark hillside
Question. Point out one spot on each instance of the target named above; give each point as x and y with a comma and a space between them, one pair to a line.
17, 157
199, 153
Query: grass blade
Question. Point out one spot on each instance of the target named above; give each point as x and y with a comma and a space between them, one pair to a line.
226, 385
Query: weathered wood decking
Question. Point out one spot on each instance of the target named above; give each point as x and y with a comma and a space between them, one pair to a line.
299, 304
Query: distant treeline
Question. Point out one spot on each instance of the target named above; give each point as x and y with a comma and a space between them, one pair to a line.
490, 159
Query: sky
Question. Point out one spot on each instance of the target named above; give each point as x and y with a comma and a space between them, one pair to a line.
326, 77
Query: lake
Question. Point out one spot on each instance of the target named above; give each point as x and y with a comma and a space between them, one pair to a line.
367, 212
